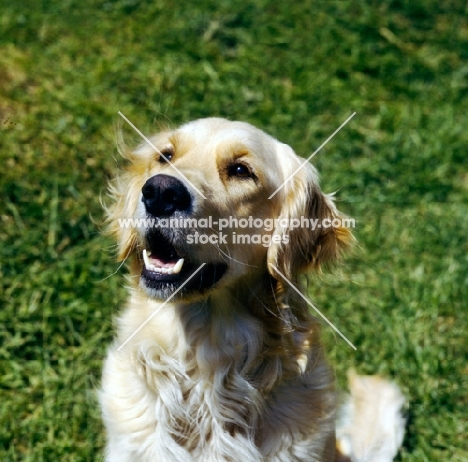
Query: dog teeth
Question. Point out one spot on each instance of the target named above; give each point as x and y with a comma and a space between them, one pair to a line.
156, 269
178, 266
146, 259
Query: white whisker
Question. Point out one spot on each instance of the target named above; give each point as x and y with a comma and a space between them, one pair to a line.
118, 268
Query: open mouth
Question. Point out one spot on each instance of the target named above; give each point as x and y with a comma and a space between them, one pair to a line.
166, 269
159, 266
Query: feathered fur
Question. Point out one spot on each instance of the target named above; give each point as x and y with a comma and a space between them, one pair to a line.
234, 371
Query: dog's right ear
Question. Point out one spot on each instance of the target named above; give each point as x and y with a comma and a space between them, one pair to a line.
125, 190
306, 247
124, 193
119, 212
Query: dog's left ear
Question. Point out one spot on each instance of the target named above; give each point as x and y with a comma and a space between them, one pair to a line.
310, 226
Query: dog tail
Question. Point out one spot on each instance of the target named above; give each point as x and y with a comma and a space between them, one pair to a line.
371, 423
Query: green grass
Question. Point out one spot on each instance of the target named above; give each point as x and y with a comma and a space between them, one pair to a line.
295, 69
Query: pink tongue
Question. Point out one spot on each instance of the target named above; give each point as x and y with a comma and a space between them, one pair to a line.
162, 264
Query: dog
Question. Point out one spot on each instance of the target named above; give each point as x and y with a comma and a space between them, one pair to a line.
217, 357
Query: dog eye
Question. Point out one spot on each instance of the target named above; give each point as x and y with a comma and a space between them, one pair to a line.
168, 155
239, 170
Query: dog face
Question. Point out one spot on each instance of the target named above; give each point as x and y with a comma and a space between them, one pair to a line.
206, 195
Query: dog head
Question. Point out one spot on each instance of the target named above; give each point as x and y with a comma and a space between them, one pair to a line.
211, 202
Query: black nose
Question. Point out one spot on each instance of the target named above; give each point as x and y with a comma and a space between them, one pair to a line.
163, 195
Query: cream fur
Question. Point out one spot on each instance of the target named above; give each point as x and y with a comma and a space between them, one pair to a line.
371, 425
235, 372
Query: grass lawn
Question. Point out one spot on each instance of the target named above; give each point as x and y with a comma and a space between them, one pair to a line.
296, 70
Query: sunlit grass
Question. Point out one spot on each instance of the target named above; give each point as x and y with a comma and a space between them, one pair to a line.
296, 70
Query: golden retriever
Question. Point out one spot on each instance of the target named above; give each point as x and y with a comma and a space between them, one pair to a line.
216, 357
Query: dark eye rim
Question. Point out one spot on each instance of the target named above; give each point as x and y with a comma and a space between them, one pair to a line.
246, 173
168, 153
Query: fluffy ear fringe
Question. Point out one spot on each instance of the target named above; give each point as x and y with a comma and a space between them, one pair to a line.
332, 242
120, 208
121, 204
309, 249
124, 190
